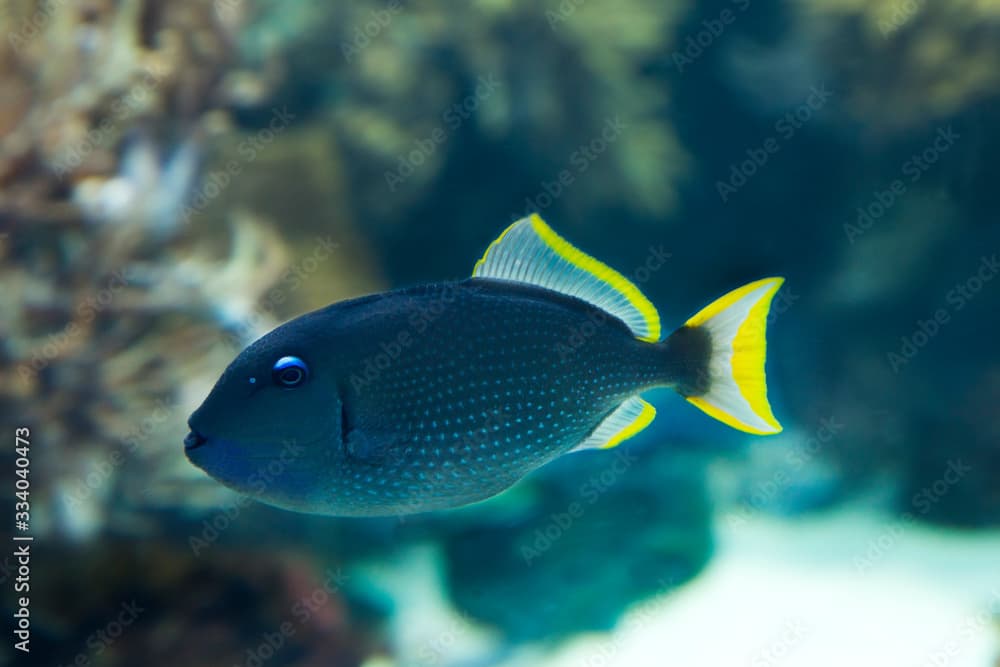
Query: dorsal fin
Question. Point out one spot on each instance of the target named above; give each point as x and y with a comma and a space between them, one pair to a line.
626, 421
530, 252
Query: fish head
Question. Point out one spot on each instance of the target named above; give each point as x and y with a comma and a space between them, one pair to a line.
270, 426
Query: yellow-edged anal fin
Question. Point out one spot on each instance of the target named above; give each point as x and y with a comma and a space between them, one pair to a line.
627, 420
529, 251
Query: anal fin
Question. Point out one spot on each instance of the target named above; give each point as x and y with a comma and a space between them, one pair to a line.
627, 420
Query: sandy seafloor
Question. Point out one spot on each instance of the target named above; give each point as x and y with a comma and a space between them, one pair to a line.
846, 588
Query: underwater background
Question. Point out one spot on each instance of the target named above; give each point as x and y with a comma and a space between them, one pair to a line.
177, 178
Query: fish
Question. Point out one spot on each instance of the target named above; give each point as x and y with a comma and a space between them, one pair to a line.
436, 396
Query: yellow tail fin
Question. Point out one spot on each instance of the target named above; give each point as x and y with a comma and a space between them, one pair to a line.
736, 391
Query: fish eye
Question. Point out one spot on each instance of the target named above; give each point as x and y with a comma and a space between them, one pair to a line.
290, 372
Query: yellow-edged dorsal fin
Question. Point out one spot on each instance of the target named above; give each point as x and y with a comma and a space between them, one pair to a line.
530, 252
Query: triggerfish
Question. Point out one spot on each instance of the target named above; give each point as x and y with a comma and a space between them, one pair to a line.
441, 395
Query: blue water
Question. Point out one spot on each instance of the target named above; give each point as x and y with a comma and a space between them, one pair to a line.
176, 179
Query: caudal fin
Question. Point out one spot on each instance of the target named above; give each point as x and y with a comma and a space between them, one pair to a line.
721, 352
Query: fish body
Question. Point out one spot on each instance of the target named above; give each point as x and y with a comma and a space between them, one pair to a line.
437, 396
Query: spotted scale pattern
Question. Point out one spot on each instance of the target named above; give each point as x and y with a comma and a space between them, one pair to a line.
450, 393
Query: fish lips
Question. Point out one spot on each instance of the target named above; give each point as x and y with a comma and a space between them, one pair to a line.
194, 440
205, 451
196, 448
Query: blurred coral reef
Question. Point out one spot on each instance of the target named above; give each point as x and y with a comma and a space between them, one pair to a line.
111, 319
178, 177
907, 62
128, 291
417, 94
118, 605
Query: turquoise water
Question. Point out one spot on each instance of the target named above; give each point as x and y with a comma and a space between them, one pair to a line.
177, 179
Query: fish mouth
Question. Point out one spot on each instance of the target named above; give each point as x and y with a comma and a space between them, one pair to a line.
194, 440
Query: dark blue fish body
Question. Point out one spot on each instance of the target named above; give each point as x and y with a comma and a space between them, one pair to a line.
434, 396
456, 391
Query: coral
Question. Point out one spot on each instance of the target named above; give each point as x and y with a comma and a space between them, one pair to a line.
178, 177
105, 363
293, 175
905, 63
650, 505
122, 304
86, 75
153, 605
418, 84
